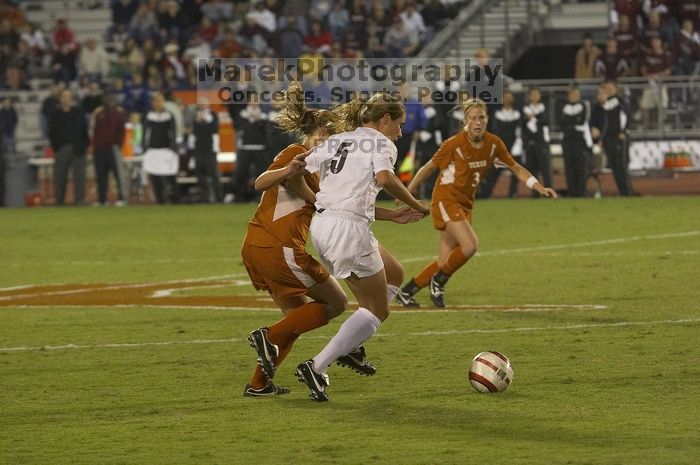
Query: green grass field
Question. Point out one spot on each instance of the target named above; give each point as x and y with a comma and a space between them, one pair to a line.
597, 304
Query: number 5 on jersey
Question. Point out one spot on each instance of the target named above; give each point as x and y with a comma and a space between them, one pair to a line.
338, 160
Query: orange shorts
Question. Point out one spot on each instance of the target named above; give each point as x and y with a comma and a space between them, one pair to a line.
444, 211
283, 271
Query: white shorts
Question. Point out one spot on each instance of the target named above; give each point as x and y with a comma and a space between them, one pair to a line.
345, 245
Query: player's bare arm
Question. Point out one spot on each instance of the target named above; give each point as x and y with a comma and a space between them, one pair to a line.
298, 185
423, 173
393, 185
401, 215
271, 178
531, 182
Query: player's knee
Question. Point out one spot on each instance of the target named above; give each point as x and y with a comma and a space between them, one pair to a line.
469, 250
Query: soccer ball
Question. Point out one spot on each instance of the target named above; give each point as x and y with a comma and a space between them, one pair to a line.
490, 372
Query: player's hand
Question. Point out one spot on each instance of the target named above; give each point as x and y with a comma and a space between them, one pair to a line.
302, 156
549, 192
406, 215
295, 167
425, 207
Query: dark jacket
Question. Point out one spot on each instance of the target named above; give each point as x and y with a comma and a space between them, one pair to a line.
204, 132
68, 128
159, 131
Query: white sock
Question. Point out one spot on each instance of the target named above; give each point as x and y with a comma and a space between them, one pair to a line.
391, 292
354, 332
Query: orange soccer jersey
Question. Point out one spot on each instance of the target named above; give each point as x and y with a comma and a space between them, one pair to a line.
462, 167
282, 218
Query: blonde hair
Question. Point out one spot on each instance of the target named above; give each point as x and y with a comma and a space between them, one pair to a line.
473, 103
296, 119
360, 111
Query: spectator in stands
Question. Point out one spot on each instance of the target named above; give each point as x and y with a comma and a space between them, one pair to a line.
15, 79
399, 41
375, 40
535, 135
652, 30
68, 135
122, 94
434, 14
171, 60
413, 21
428, 141
143, 24
161, 161
665, 9
686, 50
108, 127
204, 140
256, 37
8, 125
63, 64
338, 20
33, 36
218, 10
655, 64
318, 39
208, 30
610, 65
93, 98
319, 9
264, 17
290, 42
690, 9
358, 17
631, 9
9, 40
93, 61
627, 44
171, 21
251, 140
608, 129
229, 46
141, 97
122, 12
507, 126
576, 144
64, 38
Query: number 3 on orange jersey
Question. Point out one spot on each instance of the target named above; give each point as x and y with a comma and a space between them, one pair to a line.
477, 177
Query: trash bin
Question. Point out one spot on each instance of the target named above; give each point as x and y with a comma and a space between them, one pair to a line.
19, 179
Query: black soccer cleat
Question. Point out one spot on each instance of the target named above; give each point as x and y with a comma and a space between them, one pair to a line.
357, 361
316, 382
437, 292
407, 300
269, 390
267, 351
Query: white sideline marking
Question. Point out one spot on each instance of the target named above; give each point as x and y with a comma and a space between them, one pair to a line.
568, 246
111, 262
116, 286
450, 309
15, 288
424, 333
168, 292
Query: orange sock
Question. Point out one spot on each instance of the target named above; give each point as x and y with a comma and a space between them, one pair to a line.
299, 321
423, 278
454, 262
259, 380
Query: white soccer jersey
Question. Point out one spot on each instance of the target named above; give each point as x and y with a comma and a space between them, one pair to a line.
347, 164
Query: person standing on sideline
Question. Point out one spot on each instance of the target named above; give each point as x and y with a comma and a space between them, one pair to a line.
354, 166
576, 144
609, 130
68, 135
160, 159
507, 122
535, 134
205, 140
462, 160
108, 128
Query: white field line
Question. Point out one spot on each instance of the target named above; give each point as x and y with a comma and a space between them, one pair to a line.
15, 288
541, 248
168, 292
397, 311
117, 286
522, 329
111, 262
